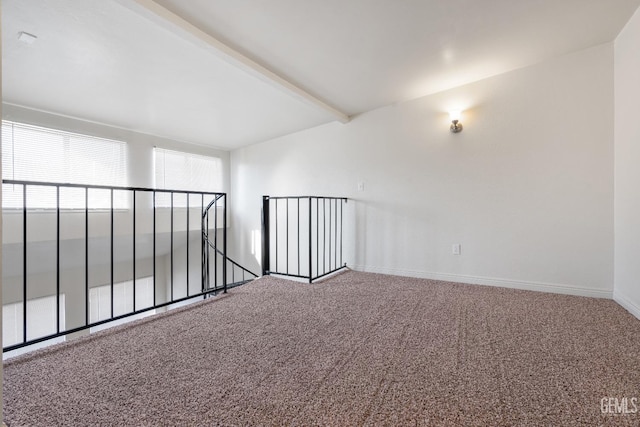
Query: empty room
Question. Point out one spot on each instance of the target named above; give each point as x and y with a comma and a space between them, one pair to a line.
340, 213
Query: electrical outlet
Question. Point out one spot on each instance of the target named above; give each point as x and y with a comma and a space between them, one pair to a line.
361, 186
455, 249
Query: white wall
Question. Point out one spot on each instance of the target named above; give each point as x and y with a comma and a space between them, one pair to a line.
526, 188
627, 166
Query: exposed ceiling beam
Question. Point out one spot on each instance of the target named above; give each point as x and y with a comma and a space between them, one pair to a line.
184, 28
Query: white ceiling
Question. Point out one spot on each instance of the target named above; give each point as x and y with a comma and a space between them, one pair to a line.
228, 73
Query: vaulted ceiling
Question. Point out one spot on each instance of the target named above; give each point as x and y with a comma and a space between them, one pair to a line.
229, 73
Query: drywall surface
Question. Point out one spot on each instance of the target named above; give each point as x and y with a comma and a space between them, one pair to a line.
627, 166
526, 189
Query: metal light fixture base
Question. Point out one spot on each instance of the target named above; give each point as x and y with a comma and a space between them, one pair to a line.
455, 126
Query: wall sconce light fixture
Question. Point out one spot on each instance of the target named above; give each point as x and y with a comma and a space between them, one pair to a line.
455, 119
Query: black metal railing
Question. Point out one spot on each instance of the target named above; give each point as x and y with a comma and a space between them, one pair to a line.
229, 267
303, 236
237, 274
150, 218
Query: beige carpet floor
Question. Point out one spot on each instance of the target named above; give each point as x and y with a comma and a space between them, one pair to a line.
358, 349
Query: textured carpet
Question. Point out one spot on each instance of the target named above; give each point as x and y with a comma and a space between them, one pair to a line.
357, 349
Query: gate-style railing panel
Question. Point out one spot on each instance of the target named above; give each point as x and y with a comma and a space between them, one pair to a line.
101, 254
302, 236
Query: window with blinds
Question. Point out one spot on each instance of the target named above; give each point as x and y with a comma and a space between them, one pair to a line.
34, 153
177, 170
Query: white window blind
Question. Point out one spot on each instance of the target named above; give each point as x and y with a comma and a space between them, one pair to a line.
177, 170
34, 153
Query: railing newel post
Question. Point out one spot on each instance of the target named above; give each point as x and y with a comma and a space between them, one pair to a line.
224, 243
298, 234
208, 252
310, 242
134, 250
112, 254
317, 237
57, 259
266, 245
276, 224
188, 212
287, 235
24, 263
203, 238
86, 255
153, 256
171, 245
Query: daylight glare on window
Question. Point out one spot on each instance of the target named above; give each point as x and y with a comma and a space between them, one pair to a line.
34, 153
176, 170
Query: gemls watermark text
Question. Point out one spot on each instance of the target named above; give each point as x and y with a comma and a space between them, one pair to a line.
619, 405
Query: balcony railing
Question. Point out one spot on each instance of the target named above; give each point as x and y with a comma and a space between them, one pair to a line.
303, 236
88, 236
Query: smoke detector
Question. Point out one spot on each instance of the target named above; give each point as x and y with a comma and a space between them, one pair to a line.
27, 37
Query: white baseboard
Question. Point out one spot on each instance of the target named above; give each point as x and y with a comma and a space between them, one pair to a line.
490, 281
627, 304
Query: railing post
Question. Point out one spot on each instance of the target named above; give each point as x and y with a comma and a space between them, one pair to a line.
266, 261
277, 246
24, 263
298, 238
215, 241
86, 256
154, 243
111, 262
310, 243
57, 259
204, 242
287, 235
170, 245
342, 203
134, 251
208, 256
187, 244
224, 243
